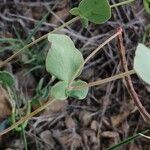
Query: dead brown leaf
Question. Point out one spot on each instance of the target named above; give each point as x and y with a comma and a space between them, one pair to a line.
5, 107
90, 139
112, 136
69, 139
85, 117
94, 125
125, 112
70, 123
46, 136
56, 106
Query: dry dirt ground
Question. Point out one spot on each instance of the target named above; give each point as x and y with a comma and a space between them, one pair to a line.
108, 114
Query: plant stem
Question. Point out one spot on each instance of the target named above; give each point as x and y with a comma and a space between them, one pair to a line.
23, 125
126, 141
129, 85
24, 139
122, 3
92, 54
27, 117
145, 136
38, 40
106, 80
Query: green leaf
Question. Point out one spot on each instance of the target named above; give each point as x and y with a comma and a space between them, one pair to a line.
6, 78
96, 11
58, 91
75, 11
147, 6
142, 62
81, 93
63, 59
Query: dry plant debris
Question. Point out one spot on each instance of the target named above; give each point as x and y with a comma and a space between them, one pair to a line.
107, 115
5, 106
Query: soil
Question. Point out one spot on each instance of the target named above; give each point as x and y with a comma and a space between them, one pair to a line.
108, 114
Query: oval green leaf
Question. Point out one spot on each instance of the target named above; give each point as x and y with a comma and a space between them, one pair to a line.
96, 11
6, 78
63, 59
75, 11
142, 62
80, 93
58, 91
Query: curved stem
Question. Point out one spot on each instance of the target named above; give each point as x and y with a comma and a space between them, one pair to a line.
129, 85
27, 117
93, 53
122, 3
37, 40
145, 136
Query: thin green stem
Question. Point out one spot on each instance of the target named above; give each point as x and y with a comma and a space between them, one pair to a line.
37, 40
24, 139
126, 141
122, 3
23, 125
92, 54
13, 119
103, 81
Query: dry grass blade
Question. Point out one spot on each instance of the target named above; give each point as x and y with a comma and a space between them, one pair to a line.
5, 106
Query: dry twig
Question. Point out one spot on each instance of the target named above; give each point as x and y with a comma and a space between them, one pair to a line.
128, 81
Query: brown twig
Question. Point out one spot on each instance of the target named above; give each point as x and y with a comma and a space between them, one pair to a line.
128, 81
